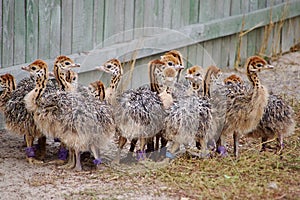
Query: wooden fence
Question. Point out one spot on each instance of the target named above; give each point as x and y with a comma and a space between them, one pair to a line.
33, 29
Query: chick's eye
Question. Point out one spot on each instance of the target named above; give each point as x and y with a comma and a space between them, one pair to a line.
198, 74
170, 63
33, 68
67, 63
259, 65
108, 66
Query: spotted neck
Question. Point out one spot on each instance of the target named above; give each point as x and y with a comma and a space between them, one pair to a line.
155, 73
115, 80
8, 89
40, 87
196, 87
253, 78
100, 93
212, 71
60, 77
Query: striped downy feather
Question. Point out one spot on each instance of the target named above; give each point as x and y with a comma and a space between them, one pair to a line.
189, 118
81, 122
8, 84
244, 112
139, 113
277, 120
20, 121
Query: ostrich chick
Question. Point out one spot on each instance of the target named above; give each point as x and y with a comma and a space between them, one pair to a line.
81, 122
245, 111
277, 120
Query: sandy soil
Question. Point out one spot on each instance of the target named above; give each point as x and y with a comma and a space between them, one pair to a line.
20, 180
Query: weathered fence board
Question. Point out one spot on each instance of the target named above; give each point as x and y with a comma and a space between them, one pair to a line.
251, 36
44, 8
176, 12
128, 22
167, 13
98, 21
31, 30
66, 27
82, 27
19, 33
8, 32
194, 12
55, 29
46, 28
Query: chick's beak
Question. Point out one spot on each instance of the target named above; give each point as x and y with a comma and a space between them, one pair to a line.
102, 68
188, 76
26, 68
75, 65
269, 67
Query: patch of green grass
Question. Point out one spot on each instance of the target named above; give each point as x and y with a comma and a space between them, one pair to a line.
254, 175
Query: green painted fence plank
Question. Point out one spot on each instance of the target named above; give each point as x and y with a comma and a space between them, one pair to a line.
296, 30
49, 28
233, 49
206, 11
8, 32
287, 37
176, 14
225, 43
44, 24
231, 25
66, 26
128, 22
113, 22
262, 4
194, 11
82, 27
87, 33
251, 36
19, 33
119, 22
149, 11
222, 10
185, 13
32, 24
55, 29
167, 13
235, 7
139, 18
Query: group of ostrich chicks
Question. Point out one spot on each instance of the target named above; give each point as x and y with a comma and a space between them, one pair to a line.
189, 112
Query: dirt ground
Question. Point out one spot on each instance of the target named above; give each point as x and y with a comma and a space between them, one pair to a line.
20, 180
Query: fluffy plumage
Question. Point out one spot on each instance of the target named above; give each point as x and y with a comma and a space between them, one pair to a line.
189, 118
82, 123
277, 120
139, 113
19, 121
244, 112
